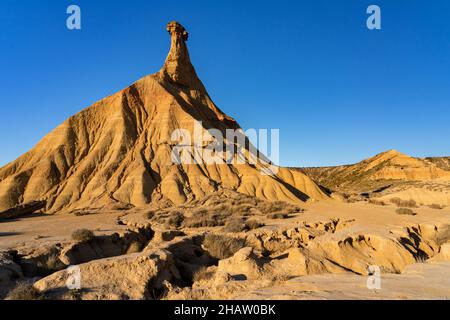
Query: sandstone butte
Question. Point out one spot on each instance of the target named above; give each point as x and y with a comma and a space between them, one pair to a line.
117, 152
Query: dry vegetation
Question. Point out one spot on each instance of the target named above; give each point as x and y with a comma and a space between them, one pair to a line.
253, 224
278, 216
222, 247
234, 225
83, 235
134, 247
234, 212
404, 203
376, 202
204, 218
405, 211
25, 291
50, 264
436, 206
203, 274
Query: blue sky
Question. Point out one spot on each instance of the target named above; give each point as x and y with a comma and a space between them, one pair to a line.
337, 91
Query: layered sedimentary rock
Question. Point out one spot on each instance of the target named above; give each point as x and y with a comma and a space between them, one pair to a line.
119, 151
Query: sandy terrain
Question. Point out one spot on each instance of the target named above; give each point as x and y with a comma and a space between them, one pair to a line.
137, 225
260, 277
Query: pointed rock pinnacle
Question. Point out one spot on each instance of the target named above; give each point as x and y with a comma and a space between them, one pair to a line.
178, 65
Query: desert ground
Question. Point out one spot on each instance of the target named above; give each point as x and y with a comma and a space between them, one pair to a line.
225, 247
99, 209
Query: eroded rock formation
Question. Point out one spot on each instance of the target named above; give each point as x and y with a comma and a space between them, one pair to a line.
118, 152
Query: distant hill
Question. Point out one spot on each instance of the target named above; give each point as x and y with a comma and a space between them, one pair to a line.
388, 173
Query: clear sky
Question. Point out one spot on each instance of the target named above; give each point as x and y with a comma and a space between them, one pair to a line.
337, 91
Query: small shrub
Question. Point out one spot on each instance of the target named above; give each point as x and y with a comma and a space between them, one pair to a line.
234, 225
203, 274
50, 264
436, 206
278, 207
377, 202
405, 211
175, 219
203, 218
278, 215
253, 224
408, 204
82, 213
25, 291
134, 247
83, 235
404, 203
221, 246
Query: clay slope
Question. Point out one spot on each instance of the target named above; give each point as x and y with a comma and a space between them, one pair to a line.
118, 151
441, 162
388, 175
385, 167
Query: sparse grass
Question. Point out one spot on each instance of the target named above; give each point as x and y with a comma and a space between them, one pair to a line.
221, 246
175, 219
203, 218
25, 291
278, 206
50, 264
281, 278
278, 215
134, 247
253, 224
405, 211
234, 225
404, 203
83, 235
376, 202
203, 274
82, 213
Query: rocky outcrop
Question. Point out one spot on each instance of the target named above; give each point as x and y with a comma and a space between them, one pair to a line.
136, 276
243, 265
10, 272
22, 210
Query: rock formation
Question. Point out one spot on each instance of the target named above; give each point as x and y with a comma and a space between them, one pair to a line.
390, 174
118, 152
22, 210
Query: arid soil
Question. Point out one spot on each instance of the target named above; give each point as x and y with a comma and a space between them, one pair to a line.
232, 246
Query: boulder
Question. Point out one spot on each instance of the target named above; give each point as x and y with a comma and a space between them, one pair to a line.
136, 276
244, 265
444, 253
22, 210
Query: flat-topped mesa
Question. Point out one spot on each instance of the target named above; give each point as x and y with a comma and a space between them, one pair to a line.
178, 67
